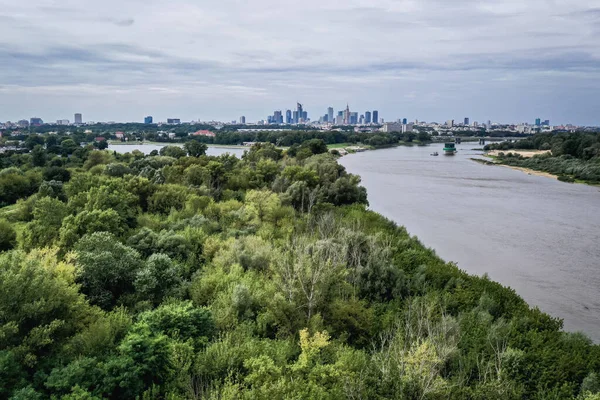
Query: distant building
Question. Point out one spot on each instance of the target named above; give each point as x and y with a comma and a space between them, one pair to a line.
100, 139
361, 120
119, 135
391, 127
538, 122
295, 118
467, 122
330, 114
339, 120
375, 117
288, 117
304, 116
368, 117
35, 121
243, 120
353, 118
62, 122
78, 119
407, 127
450, 123
404, 121
546, 122
300, 112
173, 121
23, 123
148, 120
203, 133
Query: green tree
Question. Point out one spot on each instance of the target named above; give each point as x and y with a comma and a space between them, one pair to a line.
173, 151
8, 236
195, 148
43, 230
107, 268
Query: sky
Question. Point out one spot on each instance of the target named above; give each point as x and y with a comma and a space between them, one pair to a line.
431, 60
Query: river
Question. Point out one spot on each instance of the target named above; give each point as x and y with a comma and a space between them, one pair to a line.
535, 234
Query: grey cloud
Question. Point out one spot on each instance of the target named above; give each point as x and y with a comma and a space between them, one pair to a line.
124, 22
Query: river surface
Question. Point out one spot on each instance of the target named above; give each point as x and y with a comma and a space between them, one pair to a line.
147, 148
535, 234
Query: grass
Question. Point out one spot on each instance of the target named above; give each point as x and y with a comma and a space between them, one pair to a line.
339, 145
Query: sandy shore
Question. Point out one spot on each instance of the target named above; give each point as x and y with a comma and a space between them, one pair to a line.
531, 171
524, 153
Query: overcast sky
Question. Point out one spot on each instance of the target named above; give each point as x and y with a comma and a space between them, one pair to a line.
507, 61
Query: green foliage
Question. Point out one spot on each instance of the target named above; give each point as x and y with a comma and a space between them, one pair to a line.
107, 269
195, 148
8, 236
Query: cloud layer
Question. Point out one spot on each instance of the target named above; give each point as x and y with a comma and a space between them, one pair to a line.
427, 59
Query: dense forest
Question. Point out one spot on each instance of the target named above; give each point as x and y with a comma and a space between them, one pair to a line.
571, 156
186, 276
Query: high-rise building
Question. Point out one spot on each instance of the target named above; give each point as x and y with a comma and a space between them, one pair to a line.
23, 123
489, 124
339, 119
450, 123
288, 117
538, 122
347, 115
467, 122
375, 117
243, 120
546, 122
404, 121
35, 121
78, 119
62, 122
148, 120
277, 117
304, 116
173, 121
353, 118
361, 120
367, 117
300, 112
330, 114
295, 117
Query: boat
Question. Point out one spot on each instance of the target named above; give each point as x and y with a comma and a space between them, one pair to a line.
435, 153
449, 149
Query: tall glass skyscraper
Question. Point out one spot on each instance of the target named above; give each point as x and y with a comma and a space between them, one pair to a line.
367, 117
330, 114
148, 120
375, 117
288, 117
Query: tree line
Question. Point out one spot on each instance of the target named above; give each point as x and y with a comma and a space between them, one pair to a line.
572, 156
179, 275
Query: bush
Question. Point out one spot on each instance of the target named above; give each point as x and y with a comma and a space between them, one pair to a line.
8, 236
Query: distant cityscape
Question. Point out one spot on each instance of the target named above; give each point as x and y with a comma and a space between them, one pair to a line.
367, 121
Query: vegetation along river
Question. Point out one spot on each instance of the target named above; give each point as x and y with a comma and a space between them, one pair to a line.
535, 234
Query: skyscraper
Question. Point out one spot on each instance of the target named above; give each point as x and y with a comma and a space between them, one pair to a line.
35, 121
148, 120
353, 120
347, 114
330, 114
78, 119
367, 117
538, 122
295, 118
375, 117
277, 117
300, 112
305, 116
243, 120
288, 117
404, 121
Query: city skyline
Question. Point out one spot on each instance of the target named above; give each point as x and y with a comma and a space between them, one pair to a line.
506, 61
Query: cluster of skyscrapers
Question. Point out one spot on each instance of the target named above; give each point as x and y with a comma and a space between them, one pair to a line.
299, 116
539, 122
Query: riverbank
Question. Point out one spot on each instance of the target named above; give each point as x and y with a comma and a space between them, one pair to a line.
522, 153
528, 171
